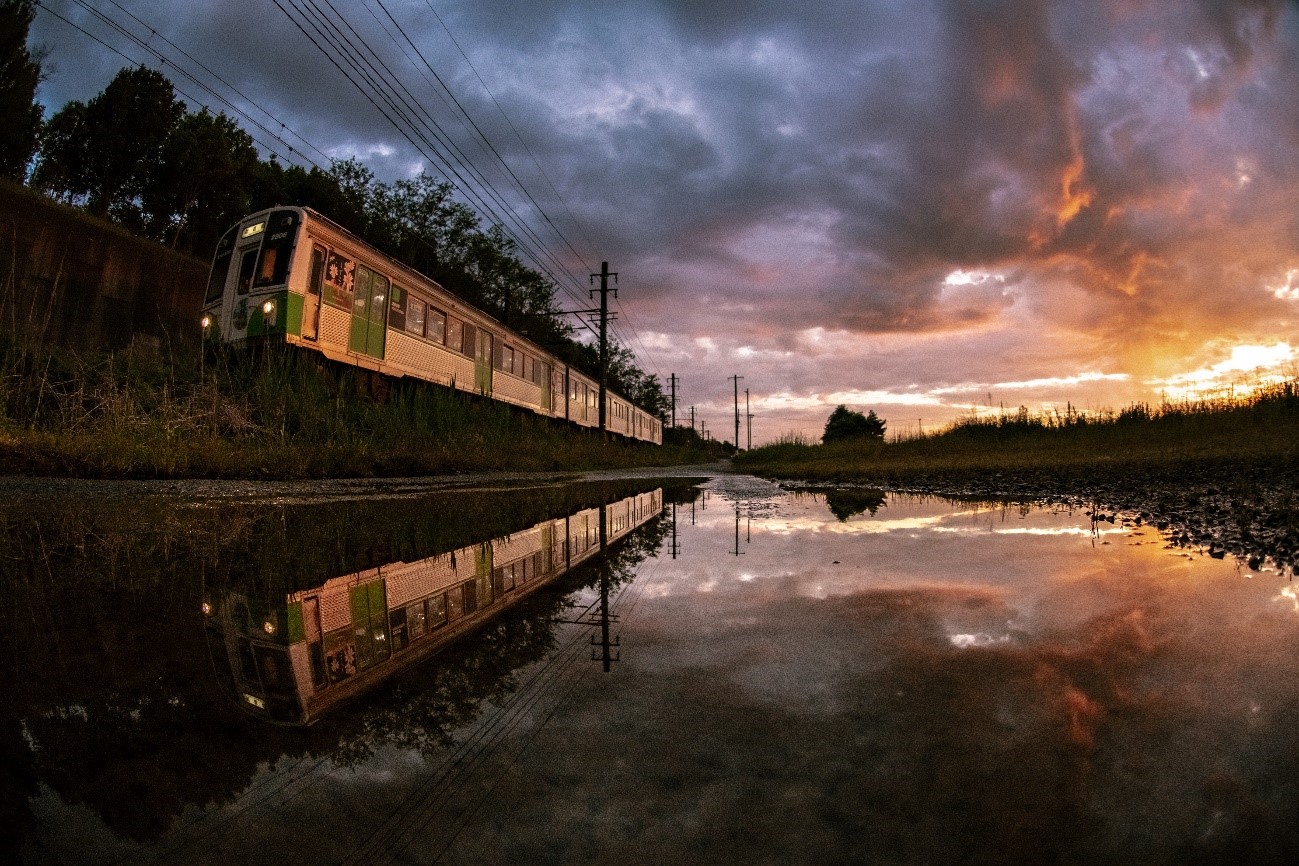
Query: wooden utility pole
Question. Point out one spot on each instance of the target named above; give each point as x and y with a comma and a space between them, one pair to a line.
736, 380
748, 418
672, 380
604, 276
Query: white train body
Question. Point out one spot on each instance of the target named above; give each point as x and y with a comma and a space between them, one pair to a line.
290, 273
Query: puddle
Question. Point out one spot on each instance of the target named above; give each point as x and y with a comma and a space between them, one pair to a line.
747, 676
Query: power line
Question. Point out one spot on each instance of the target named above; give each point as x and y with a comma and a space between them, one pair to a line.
363, 67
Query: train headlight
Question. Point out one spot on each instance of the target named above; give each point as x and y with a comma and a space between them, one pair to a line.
268, 313
268, 627
269, 308
207, 608
206, 321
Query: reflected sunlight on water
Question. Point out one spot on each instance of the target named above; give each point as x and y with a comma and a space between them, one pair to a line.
931, 681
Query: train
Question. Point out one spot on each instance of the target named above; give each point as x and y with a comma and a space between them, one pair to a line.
291, 661
292, 274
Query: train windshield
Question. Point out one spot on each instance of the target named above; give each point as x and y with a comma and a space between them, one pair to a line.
277, 249
216, 283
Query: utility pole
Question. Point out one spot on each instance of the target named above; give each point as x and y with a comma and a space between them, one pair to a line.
604, 276
672, 380
736, 380
748, 419
692, 420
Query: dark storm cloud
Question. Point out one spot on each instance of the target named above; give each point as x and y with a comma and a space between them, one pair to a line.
1115, 178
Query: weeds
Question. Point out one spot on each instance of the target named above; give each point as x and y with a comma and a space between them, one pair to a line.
274, 413
1261, 429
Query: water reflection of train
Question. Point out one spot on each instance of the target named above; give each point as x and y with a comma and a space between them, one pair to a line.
291, 661
290, 274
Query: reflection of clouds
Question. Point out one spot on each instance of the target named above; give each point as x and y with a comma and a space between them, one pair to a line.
1290, 594
996, 697
1033, 530
978, 639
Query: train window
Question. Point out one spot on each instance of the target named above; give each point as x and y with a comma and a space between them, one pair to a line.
415, 317
416, 620
317, 270
397, 623
216, 284
273, 269
340, 277
437, 610
454, 334
398, 300
525, 369
455, 599
469, 593
435, 326
340, 655
469, 340
246, 265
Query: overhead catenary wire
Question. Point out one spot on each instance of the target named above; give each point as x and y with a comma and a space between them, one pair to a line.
403, 111
163, 59
321, 22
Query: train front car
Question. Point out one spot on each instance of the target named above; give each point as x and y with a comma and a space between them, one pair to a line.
247, 294
290, 274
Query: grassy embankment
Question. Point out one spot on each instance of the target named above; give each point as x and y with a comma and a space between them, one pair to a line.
1246, 441
139, 414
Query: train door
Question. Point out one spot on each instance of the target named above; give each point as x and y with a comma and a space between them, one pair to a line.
483, 363
369, 622
311, 299
545, 380
312, 634
369, 312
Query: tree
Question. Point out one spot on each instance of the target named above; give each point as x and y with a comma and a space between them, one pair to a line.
845, 424
106, 151
20, 73
202, 184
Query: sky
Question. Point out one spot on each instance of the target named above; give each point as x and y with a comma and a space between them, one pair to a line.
925, 208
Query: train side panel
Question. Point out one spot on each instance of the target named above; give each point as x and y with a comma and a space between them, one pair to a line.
293, 273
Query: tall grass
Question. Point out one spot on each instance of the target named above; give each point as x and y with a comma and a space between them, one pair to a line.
274, 413
1261, 428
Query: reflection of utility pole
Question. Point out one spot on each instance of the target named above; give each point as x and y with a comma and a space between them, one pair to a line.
737, 550
676, 548
606, 655
604, 276
736, 380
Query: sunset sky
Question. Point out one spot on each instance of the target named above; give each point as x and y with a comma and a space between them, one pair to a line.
921, 208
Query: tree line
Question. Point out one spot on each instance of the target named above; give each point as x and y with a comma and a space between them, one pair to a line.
137, 155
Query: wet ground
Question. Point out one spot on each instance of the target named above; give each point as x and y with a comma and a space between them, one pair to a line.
792, 678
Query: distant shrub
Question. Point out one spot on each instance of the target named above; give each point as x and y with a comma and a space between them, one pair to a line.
844, 425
